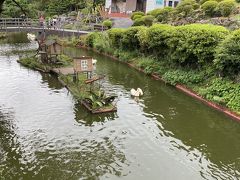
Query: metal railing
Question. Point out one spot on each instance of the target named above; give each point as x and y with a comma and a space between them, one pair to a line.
18, 23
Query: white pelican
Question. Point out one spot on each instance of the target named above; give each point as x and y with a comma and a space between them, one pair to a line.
31, 37
137, 92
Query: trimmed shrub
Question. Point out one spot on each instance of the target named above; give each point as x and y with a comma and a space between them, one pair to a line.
154, 12
107, 23
186, 7
142, 36
137, 17
157, 36
139, 22
194, 45
227, 58
226, 7
148, 20
130, 40
137, 13
210, 8
115, 36
164, 14
91, 38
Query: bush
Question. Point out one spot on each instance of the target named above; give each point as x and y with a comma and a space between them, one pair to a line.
210, 8
194, 45
148, 20
156, 38
186, 7
107, 23
137, 13
227, 58
142, 36
164, 14
91, 38
139, 22
226, 7
115, 36
130, 40
154, 12
137, 17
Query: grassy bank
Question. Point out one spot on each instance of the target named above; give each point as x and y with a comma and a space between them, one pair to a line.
203, 58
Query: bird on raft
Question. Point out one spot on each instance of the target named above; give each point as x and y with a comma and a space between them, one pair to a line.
31, 37
136, 93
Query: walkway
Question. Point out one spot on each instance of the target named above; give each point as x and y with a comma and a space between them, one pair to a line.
121, 22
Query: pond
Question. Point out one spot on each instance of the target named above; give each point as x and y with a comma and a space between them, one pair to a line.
46, 134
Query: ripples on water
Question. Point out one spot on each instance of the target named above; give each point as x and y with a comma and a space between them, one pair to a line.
46, 134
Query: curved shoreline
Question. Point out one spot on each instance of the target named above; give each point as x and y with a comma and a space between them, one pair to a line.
180, 87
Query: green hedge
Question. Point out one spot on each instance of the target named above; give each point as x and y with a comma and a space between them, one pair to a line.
107, 23
210, 8
157, 37
137, 13
226, 7
195, 44
115, 36
227, 58
130, 39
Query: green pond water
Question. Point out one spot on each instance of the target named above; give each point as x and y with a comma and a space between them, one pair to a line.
46, 134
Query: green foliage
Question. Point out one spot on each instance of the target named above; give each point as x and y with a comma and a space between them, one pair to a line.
138, 22
102, 43
227, 58
186, 7
107, 23
226, 7
224, 92
31, 63
164, 14
137, 13
194, 45
156, 37
129, 39
147, 64
148, 20
115, 36
183, 77
142, 36
137, 17
91, 38
210, 8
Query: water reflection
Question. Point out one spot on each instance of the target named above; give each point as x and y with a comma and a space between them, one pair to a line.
82, 116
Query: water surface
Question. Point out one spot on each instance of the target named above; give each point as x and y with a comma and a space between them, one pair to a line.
46, 134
